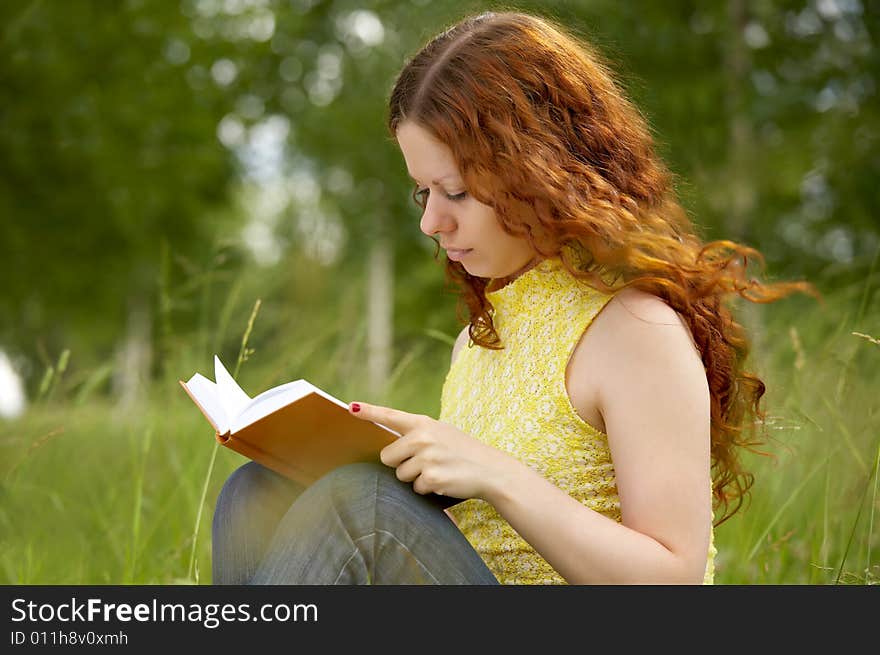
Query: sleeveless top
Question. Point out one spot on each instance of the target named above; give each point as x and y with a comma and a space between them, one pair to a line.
516, 400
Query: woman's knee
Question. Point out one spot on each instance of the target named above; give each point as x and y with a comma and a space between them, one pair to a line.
362, 486
246, 479
373, 484
252, 484
351, 480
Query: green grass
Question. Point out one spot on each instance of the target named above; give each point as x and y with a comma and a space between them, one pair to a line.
812, 516
93, 494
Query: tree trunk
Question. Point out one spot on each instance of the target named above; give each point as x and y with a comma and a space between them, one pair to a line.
380, 309
133, 356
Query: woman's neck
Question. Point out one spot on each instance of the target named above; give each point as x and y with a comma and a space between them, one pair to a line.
499, 283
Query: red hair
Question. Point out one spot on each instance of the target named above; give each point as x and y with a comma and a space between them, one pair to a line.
542, 133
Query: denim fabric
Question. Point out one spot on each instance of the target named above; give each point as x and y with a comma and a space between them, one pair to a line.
358, 524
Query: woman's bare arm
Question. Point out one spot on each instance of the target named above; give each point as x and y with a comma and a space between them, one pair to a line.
654, 400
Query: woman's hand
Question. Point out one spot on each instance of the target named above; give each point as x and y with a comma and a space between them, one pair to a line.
435, 456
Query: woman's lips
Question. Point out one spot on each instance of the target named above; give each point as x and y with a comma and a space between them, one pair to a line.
457, 255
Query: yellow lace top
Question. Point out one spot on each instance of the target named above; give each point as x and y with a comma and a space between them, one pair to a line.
516, 400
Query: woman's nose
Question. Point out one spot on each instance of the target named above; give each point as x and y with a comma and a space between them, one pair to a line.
435, 218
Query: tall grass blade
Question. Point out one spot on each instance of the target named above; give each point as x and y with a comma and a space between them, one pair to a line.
873, 510
138, 505
440, 336
401, 367
226, 314
785, 505
852, 532
863, 303
847, 435
245, 352
192, 571
60, 367
45, 383
860, 312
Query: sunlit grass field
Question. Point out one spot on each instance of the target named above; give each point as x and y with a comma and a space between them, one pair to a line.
91, 493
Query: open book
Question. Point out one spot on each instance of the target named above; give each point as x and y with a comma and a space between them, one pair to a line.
296, 429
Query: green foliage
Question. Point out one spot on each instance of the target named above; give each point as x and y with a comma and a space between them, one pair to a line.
132, 147
108, 151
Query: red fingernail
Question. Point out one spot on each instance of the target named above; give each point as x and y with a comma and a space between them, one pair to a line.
355, 407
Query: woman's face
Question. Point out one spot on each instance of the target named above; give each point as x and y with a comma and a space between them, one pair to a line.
467, 229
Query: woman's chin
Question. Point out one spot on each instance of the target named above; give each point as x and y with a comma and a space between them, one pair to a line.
473, 269
466, 265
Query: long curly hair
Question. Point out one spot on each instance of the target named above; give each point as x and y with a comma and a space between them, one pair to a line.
542, 133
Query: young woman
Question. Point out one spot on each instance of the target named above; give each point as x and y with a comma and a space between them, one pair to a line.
596, 401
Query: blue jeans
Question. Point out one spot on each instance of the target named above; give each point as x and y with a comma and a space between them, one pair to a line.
358, 524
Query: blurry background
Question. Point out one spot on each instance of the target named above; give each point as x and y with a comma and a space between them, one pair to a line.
179, 179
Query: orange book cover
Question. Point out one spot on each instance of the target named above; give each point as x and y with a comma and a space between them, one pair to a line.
295, 429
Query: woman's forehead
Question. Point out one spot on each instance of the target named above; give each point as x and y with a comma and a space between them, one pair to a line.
426, 157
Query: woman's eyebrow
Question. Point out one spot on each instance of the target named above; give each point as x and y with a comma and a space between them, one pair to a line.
437, 181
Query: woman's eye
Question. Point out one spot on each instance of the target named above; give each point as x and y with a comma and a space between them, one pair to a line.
420, 196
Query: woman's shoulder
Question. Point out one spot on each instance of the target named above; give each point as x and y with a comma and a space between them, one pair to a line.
635, 330
634, 304
636, 314
636, 341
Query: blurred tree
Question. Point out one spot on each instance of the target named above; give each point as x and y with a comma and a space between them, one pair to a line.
149, 148
107, 134
766, 110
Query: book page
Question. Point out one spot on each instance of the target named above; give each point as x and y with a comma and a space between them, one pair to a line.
271, 400
280, 396
206, 394
232, 396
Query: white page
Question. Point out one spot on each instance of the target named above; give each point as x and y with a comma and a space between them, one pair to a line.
269, 401
232, 396
205, 391
277, 397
